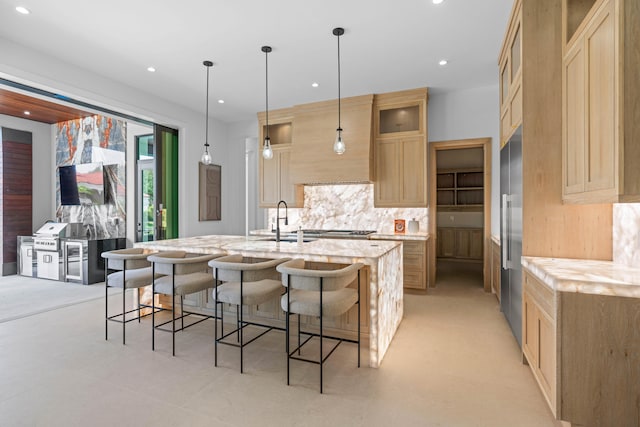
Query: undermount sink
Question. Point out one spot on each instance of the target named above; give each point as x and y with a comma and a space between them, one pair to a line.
289, 240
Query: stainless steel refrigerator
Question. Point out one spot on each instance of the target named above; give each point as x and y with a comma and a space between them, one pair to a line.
511, 232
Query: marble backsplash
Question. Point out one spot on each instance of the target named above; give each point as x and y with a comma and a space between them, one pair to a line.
345, 206
626, 234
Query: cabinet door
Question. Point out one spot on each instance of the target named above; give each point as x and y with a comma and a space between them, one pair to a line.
270, 180
530, 330
413, 172
446, 242
574, 121
387, 190
475, 244
601, 83
287, 189
463, 243
546, 357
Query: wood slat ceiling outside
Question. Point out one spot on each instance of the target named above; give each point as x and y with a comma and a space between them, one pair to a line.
15, 104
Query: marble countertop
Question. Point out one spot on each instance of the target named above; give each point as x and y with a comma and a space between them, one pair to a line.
420, 235
237, 244
385, 235
495, 238
585, 276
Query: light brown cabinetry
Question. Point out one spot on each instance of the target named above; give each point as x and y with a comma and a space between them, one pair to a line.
400, 149
511, 76
274, 174
539, 311
414, 253
600, 108
312, 158
460, 243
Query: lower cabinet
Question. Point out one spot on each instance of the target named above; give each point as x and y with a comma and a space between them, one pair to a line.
539, 313
414, 264
460, 243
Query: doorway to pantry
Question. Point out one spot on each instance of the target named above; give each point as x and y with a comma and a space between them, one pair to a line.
460, 208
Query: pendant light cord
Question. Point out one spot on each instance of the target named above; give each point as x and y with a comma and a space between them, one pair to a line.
266, 79
206, 119
339, 121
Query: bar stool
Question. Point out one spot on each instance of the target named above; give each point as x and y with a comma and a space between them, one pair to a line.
318, 293
183, 274
245, 283
133, 272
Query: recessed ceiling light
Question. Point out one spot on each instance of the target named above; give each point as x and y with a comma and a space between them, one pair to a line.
314, 84
437, 1
27, 113
443, 62
220, 101
23, 10
151, 69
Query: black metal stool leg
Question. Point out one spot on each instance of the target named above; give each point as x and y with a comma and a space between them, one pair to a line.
138, 305
153, 306
106, 299
321, 358
287, 325
124, 290
173, 310
358, 318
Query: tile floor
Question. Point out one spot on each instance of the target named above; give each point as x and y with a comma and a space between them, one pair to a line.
453, 362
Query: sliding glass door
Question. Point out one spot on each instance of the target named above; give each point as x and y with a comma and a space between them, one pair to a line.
157, 185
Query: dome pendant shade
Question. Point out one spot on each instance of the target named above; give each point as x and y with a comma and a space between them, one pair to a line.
206, 157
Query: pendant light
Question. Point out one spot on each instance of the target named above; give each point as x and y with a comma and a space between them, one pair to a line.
267, 152
206, 157
339, 146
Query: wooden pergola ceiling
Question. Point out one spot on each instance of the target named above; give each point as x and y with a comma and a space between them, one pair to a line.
15, 104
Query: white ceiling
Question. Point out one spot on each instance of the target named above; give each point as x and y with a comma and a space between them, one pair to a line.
388, 45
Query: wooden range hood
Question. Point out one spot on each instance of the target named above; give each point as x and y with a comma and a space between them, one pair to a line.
314, 130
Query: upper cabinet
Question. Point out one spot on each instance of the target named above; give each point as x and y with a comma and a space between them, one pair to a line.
312, 158
600, 101
400, 149
275, 180
511, 76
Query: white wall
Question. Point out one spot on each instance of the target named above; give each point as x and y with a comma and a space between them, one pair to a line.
38, 69
43, 169
472, 113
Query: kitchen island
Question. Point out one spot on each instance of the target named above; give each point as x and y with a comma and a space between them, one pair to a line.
382, 258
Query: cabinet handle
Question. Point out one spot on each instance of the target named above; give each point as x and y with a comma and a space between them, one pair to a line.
504, 238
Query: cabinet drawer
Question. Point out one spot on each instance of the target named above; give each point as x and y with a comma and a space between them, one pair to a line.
413, 247
414, 279
413, 262
543, 296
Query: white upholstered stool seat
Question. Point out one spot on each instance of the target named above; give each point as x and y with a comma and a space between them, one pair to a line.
318, 293
184, 273
245, 282
131, 270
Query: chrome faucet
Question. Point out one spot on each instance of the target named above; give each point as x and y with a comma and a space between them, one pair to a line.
278, 218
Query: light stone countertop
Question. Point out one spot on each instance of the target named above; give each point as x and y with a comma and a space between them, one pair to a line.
420, 235
348, 248
496, 239
385, 235
585, 276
